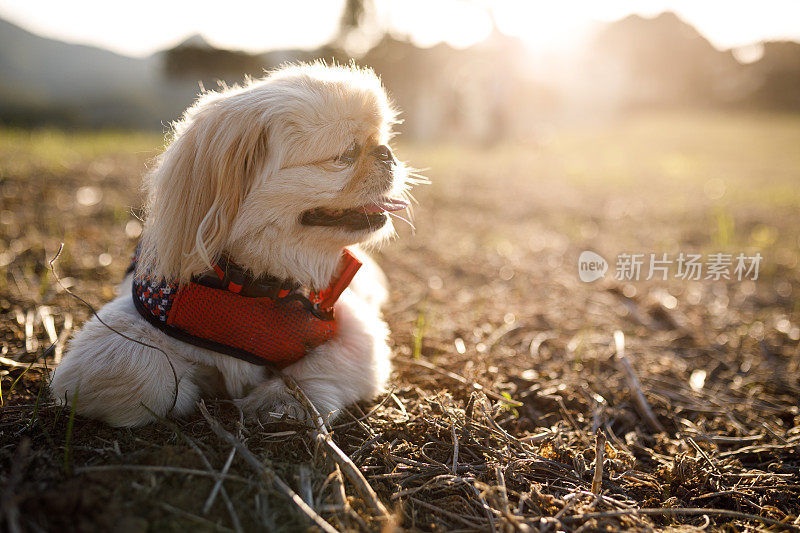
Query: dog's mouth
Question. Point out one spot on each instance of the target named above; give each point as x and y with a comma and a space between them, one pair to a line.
370, 216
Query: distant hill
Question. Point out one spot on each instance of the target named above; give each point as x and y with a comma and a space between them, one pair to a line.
45, 79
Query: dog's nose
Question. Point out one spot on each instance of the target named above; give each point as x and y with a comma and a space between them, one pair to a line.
384, 154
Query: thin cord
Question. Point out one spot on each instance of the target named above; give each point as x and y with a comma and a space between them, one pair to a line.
87, 304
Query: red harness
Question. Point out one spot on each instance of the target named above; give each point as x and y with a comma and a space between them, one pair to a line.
262, 320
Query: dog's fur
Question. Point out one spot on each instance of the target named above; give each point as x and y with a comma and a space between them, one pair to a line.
243, 166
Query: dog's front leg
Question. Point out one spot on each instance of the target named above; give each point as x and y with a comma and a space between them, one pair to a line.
352, 366
114, 378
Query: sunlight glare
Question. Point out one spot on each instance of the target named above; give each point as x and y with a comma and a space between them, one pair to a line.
543, 26
459, 24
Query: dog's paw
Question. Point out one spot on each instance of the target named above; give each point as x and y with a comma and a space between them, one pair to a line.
272, 401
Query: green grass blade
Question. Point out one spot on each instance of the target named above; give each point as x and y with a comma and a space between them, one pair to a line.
68, 438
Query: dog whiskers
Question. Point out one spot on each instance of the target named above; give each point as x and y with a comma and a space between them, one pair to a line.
413, 176
404, 219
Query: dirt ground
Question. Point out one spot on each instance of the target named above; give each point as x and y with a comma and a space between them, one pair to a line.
508, 380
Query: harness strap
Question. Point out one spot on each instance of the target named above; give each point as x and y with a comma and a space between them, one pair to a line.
231, 279
347, 270
234, 280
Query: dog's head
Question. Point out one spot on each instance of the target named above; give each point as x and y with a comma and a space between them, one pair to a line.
280, 174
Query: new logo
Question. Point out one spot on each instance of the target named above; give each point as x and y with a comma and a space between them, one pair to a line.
591, 266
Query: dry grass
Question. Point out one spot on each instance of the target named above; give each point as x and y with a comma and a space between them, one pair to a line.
508, 382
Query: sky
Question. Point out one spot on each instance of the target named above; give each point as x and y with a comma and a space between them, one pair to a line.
150, 25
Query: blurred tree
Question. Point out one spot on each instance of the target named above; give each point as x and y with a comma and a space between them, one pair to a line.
776, 77
359, 28
663, 61
351, 17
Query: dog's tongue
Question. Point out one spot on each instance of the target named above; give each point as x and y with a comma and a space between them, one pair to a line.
386, 204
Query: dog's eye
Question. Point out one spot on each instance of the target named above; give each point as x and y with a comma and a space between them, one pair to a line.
348, 157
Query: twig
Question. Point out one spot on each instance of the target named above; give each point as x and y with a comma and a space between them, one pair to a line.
237, 526
488, 511
461, 379
455, 448
337, 484
724, 440
703, 454
62, 337
306, 492
633, 383
220, 478
503, 492
399, 404
48, 323
369, 414
538, 340
681, 511
359, 420
440, 511
468, 412
501, 332
322, 436
31, 342
266, 472
164, 469
194, 517
738, 494
599, 454
759, 448
11, 362
569, 503
536, 437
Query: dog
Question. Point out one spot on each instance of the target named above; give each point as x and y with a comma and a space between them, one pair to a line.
250, 260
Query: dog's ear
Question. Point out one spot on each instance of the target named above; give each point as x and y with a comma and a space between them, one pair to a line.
196, 190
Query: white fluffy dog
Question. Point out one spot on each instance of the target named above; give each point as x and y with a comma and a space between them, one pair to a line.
264, 185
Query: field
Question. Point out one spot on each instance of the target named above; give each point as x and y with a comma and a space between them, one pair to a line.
510, 374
